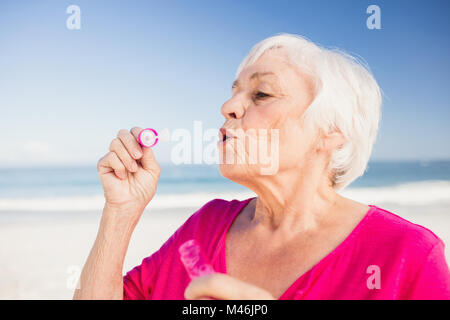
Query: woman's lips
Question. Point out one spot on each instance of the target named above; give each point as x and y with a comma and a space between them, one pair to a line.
224, 135
224, 141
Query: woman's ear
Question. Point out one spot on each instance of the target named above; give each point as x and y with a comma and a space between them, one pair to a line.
331, 140
334, 140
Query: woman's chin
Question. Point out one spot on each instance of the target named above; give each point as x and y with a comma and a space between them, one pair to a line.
238, 172
232, 171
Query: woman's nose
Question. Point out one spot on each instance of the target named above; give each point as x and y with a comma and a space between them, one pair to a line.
233, 109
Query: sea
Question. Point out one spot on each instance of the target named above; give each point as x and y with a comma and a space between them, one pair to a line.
78, 188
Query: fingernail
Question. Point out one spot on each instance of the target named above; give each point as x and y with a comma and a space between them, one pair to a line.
137, 154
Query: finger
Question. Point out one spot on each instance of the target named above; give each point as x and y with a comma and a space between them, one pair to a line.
111, 163
222, 286
118, 148
148, 160
131, 144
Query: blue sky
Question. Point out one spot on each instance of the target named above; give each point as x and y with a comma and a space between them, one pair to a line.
65, 93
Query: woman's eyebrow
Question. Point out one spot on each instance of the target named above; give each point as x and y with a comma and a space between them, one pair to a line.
254, 76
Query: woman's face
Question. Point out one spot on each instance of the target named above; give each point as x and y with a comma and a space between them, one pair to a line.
265, 109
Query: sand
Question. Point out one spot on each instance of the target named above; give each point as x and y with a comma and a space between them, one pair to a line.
42, 253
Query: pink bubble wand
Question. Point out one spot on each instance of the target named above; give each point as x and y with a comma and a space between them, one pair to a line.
193, 259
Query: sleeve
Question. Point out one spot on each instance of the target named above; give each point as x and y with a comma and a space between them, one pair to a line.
139, 283
432, 281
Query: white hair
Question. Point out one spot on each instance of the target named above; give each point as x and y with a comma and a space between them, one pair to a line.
347, 99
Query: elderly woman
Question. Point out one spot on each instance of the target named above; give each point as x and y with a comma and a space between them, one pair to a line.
298, 239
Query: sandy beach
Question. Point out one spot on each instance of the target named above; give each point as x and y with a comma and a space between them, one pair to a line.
41, 258
42, 253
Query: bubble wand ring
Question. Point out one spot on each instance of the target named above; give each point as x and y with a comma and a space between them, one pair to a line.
148, 137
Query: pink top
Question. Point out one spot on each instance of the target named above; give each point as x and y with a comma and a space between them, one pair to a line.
384, 257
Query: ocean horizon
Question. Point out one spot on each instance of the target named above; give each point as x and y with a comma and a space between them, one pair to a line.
77, 188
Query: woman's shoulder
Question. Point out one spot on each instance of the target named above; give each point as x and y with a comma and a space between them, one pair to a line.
212, 218
219, 209
393, 230
410, 256
206, 225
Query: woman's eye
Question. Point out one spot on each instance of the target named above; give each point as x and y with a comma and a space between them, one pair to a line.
261, 95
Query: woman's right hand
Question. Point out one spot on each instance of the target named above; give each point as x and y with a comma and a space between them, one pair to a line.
129, 173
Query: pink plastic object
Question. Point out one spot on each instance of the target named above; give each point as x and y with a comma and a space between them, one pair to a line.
193, 259
148, 137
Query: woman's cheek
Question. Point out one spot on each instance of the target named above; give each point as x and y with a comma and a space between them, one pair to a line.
259, 119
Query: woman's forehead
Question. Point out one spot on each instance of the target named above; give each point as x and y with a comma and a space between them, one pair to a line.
276, 72
270, 64
274, 64
253, 76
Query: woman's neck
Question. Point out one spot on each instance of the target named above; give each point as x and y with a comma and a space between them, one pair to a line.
295, 200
